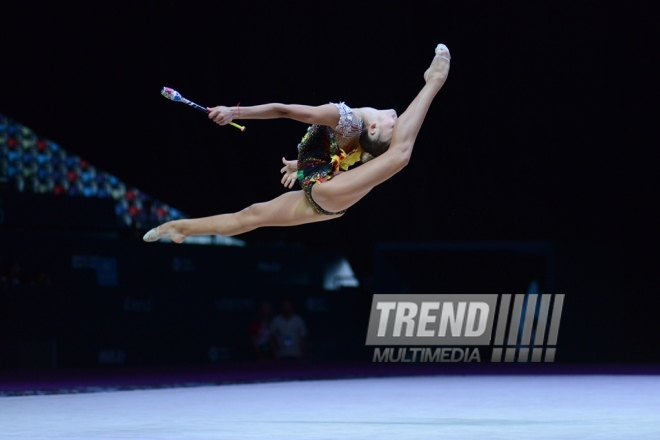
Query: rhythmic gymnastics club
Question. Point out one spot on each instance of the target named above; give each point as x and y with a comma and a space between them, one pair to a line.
175, 96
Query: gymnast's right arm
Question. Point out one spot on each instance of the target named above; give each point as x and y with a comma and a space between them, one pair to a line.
322, 115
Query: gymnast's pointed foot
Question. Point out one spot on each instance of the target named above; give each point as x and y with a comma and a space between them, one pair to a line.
165, 230
440, 66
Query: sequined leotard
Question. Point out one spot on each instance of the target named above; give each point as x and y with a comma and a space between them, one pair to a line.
324, 150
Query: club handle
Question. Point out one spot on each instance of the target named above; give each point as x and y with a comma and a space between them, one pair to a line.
195, 106
203, 109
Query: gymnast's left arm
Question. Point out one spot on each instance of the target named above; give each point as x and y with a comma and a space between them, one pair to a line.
322, 115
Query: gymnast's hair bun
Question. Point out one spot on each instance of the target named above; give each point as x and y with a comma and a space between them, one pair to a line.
366, 157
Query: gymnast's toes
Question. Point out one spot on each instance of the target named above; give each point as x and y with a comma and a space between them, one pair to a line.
440, 65
442, 50
167, 231
152, 235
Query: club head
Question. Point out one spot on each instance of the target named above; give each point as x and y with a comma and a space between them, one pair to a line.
171, 94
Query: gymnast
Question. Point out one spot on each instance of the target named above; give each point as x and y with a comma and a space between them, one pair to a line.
338, 138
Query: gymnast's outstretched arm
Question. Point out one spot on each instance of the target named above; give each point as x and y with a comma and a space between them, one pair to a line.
323, 114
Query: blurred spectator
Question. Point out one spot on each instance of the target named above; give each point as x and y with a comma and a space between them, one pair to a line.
260, 332
288, 334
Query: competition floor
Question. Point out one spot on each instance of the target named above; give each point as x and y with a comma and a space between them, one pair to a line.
426, 407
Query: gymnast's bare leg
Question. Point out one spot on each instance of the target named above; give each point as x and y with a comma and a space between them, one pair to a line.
337, 194
289, 209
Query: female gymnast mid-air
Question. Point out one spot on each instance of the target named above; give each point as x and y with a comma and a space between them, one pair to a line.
338, 138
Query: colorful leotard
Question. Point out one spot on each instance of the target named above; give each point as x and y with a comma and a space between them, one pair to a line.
324, 150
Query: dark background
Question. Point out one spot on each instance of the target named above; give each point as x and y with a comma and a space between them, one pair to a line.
535, 136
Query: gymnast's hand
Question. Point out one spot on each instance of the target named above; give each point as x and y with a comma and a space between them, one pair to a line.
220, 115
290, 171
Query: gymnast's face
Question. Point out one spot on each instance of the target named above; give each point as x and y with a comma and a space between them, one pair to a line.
385, 121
